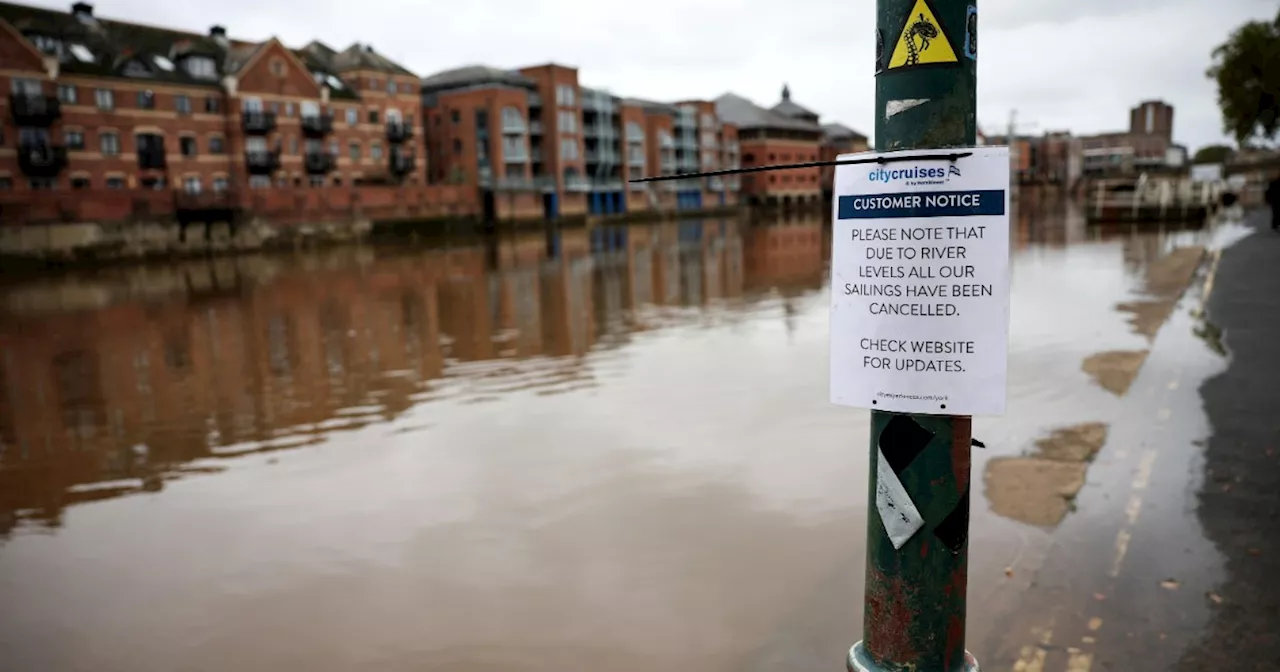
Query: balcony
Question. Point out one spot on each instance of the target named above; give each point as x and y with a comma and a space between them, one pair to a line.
576, 183
535, 155
152, 158
261, 162
317, 126
34, 109
514, 125
42, 159
715, 184
402, 161
544, 182
515, 184
606, 184
515, 155
320, 163
257, 122
535, 128
399, 131
535, 100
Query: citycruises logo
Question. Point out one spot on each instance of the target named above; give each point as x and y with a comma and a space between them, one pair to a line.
915, 175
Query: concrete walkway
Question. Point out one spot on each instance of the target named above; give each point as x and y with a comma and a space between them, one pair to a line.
1239, 505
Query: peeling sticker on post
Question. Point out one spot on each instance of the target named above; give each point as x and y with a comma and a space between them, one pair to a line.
971, 33
879, 50
923, 41
895, 107
899, 514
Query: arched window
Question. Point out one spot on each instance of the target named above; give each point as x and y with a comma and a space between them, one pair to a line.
512, 120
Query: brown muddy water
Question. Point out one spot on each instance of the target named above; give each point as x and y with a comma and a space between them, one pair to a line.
606, 450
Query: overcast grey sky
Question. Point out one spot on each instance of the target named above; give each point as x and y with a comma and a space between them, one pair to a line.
1074, 64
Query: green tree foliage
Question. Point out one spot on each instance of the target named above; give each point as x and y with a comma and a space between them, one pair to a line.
1212, 154
1247, 70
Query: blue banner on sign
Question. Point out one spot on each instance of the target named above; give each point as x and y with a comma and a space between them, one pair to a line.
922, 204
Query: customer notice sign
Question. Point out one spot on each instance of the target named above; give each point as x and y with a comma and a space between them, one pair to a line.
920, 282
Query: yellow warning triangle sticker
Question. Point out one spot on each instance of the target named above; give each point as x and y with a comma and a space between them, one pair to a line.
922, 41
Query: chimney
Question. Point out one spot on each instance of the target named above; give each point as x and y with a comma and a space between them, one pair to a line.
82, 10
219, 34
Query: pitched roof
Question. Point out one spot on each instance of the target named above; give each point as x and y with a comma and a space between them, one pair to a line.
108, 48
363, 57
835, 131
649, 105
474, 75
789, 108
747, 115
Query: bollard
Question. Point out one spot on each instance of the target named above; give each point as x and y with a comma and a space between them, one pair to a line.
914, 616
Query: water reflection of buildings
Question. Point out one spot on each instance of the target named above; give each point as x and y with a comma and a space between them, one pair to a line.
104, 397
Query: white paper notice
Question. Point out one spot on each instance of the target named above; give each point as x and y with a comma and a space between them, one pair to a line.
920, 283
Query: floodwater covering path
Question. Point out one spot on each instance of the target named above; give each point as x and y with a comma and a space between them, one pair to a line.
603, 449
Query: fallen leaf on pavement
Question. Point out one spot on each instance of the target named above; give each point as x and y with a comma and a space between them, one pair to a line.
1099, 597
1008, 571
1217, 599
1169, 584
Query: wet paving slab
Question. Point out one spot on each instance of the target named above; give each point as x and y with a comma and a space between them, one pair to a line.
607, 448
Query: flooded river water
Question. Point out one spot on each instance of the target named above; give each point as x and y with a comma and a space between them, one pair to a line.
605, 449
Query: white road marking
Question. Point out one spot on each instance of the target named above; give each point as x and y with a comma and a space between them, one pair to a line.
1122, 547
1143, 477
1133, 508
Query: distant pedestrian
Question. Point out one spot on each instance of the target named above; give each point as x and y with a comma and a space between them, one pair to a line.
1273, 200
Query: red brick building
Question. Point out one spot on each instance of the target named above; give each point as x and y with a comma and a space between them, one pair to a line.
785, 134
97, 105
837, 139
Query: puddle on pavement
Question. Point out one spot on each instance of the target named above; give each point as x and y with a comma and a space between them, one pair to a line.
607, 450
1038, 489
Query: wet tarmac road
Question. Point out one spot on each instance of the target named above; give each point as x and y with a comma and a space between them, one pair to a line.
613, 451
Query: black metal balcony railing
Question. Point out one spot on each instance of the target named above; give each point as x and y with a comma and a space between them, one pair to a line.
261, 162
320, 163
258, 122
34, 109
42, 160
151, 159
398, 131
316, 126
402, 162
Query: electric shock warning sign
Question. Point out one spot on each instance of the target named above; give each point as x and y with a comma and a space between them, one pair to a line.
920, 283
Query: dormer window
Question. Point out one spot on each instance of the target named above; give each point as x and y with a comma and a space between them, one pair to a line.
136, 69
200, 67
46, 44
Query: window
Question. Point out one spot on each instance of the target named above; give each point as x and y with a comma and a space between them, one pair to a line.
375, 151
455, 116
47, 44
354, 151
33, 136
564, 95
191, 184
457, 147
200, 67
568, 149
317, 180
146, 100
513, 147
212, 105
187, 145
277, 67
259, 182
391, 88
82, 53
216, 145
274, 107
109, 143
288, 109
293, 145
309, 110
80, 182
105, 99
373, 83
219, 184
333, 148
115, 182
353, 117
373, 116
38, 183
67, 94
568, 121
182, 104
75, 140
